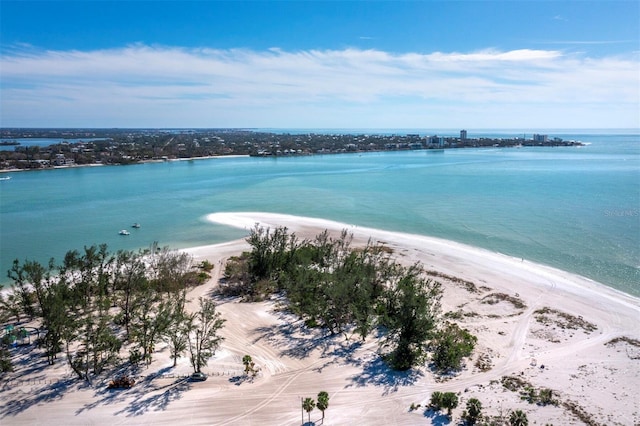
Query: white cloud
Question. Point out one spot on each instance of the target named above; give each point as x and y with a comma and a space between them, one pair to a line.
161, 86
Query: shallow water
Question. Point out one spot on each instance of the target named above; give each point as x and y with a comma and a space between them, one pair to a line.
573, 208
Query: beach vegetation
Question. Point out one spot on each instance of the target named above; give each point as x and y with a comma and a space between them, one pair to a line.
449, 401
308, 405
94, 303
545, 397
473, 412
549, 316
249, 366
451, 345
344, 290
206, 266
435, 402
203, 338
5, 360
10, 307
411, 309
494, 298
518, 418
176, 332
323, 402
440, 400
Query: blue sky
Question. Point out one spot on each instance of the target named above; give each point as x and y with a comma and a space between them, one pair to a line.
336, 64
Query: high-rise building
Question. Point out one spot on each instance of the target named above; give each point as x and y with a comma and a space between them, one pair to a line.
540, 138
463, 135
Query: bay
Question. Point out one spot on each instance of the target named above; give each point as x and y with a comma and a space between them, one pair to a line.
41, 142
576, 209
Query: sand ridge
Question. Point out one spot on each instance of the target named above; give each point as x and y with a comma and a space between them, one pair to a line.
593, 367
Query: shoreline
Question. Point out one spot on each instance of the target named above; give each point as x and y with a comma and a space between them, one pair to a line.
302, 225
169, 160
591, 363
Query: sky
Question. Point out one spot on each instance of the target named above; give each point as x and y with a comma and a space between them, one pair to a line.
320, 64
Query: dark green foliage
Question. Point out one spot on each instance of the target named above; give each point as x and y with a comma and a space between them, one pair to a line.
308, 405
545, 397
342, 289
272, 252
450, 345
436, 400
518, 418
206, 266
94, 301
5, 360
411, 310
440, 400
449, 401
323, 402
473, 412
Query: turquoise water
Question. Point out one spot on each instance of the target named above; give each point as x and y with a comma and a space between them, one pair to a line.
572, 208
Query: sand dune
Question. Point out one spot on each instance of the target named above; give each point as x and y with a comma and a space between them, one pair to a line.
567, 325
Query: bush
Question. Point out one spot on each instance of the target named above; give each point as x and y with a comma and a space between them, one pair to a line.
451, 345
436, 400
207, 266
5, 361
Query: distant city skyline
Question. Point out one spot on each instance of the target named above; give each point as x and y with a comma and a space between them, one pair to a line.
320, 64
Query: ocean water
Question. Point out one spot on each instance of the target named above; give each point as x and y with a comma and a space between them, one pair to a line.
576, 209
41, 142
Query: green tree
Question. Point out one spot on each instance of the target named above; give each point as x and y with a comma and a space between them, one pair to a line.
150, 322
10, 306
271, 252
248, 363
203, 338
323, 402
308, 405
518, 418
5, 359
451, 344
436, 400
474, 411
39, 294
177, 332
168, 269
89, 337
411, 309
130, 278
449, 401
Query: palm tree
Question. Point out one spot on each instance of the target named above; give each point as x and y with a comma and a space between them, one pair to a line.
518, 418
308, 405
449, 401
546, 396
323, 402
246, 360
474, 409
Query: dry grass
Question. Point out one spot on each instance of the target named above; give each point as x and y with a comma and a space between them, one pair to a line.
468, 285
549, 316
493, 298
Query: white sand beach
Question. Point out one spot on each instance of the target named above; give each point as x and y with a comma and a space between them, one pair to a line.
591, 369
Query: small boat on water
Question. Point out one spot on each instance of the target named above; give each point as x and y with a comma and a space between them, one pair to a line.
136, 225
5, 178
123, 232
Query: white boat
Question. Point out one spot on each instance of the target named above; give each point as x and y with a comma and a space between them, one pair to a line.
123, 232
136, 225
5, 178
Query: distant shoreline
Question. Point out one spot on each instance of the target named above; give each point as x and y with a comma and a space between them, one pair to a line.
167, 160
76, 166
